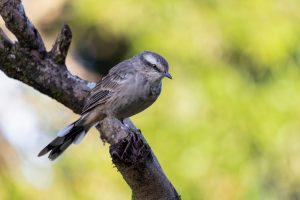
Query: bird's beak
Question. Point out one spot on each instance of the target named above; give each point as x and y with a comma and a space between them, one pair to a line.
168, 75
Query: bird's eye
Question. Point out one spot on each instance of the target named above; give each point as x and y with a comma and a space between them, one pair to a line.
155, 67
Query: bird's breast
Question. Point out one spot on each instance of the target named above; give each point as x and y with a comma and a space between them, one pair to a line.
136, 97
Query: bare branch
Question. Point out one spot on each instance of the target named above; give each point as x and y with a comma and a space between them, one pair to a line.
13, 14
45, 76
37, 69
61, 46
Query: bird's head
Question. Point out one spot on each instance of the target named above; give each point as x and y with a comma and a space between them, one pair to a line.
154, 65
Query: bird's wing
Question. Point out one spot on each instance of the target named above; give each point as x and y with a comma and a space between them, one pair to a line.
105, 88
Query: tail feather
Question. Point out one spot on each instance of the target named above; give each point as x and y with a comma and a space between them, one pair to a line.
67, 136
58, 150
79, 137
66, 130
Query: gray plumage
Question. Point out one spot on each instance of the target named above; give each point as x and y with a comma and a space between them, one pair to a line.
129, 88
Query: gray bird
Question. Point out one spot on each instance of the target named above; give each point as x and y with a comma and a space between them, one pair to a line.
129, 88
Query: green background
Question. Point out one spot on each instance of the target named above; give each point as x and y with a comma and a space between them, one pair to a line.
227, 125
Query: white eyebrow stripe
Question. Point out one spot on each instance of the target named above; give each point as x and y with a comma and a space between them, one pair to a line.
150, 58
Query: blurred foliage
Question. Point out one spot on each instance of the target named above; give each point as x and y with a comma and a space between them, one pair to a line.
226, 127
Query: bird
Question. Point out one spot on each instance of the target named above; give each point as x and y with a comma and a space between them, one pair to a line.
129, 88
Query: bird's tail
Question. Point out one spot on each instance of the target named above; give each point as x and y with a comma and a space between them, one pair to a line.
73, 133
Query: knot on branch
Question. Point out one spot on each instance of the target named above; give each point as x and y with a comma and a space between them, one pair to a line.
131, 150
61, 46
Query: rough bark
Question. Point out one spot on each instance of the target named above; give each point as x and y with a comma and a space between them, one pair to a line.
27, 60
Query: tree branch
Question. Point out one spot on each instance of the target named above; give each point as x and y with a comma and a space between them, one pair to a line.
61, 46
13, 14
28, 61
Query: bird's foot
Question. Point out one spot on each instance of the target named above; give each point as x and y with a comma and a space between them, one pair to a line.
130, 150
